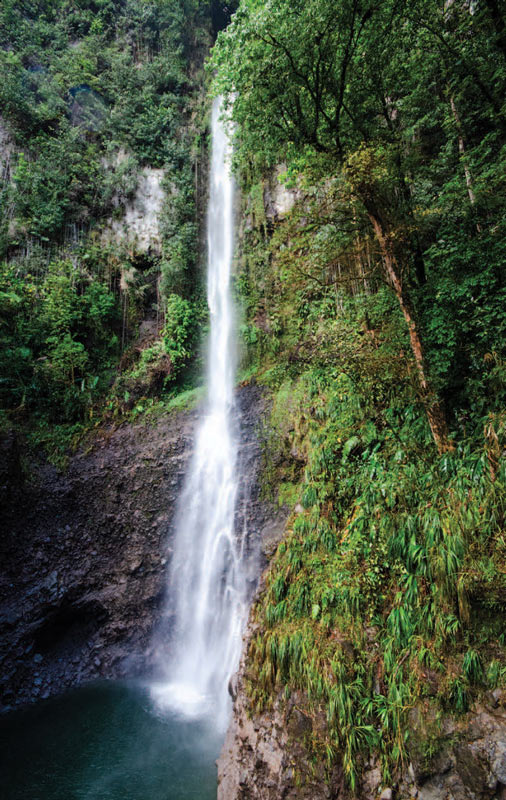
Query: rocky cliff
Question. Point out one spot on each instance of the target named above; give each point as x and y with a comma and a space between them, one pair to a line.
84, 553
269, 756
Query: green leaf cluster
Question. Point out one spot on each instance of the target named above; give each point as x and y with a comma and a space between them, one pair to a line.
57, 341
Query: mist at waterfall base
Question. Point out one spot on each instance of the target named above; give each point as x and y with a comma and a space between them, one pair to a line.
115, 741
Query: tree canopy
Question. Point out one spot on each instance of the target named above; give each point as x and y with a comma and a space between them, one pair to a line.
405, 100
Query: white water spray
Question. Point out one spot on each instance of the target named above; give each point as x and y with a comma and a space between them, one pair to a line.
207, 580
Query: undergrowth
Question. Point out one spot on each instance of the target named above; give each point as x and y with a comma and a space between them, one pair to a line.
387, 595
392, 573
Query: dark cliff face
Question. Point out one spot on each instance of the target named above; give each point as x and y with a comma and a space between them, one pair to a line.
85, 553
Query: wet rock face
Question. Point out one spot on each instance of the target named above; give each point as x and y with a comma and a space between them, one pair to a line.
278, 200
82, 557
139, 227
84, 554
141, 223
266, 756
471, 764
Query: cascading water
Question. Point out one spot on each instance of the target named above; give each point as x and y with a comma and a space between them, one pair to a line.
207, 587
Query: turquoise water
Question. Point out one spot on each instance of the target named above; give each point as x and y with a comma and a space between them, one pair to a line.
105, 742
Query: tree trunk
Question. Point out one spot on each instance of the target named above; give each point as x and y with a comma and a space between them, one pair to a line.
433, 407
463, 156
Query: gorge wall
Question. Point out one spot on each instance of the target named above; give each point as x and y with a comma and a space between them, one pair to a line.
84, 552
375, 660
276, 743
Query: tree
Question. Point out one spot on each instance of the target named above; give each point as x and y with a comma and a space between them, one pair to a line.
341, 83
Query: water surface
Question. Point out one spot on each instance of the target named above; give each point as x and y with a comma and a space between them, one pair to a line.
105, 742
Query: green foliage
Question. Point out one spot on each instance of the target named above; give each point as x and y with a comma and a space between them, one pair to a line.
394, 114
379, 599
180, 330
390, 542
57, 341
92, 93
472, 666
180, 233
81, 84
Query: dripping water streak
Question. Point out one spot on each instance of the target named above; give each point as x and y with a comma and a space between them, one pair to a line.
207, 582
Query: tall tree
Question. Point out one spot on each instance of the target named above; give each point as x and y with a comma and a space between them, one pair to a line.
300, 86
364, 86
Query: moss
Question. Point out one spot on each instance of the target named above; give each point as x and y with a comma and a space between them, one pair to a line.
186, 399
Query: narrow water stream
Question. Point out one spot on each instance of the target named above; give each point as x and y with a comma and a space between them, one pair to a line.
125, 742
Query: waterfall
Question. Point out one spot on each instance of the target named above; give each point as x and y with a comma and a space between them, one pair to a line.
207, 583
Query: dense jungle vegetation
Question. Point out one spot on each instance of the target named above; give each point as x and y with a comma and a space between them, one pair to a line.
92, 92
375, 311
